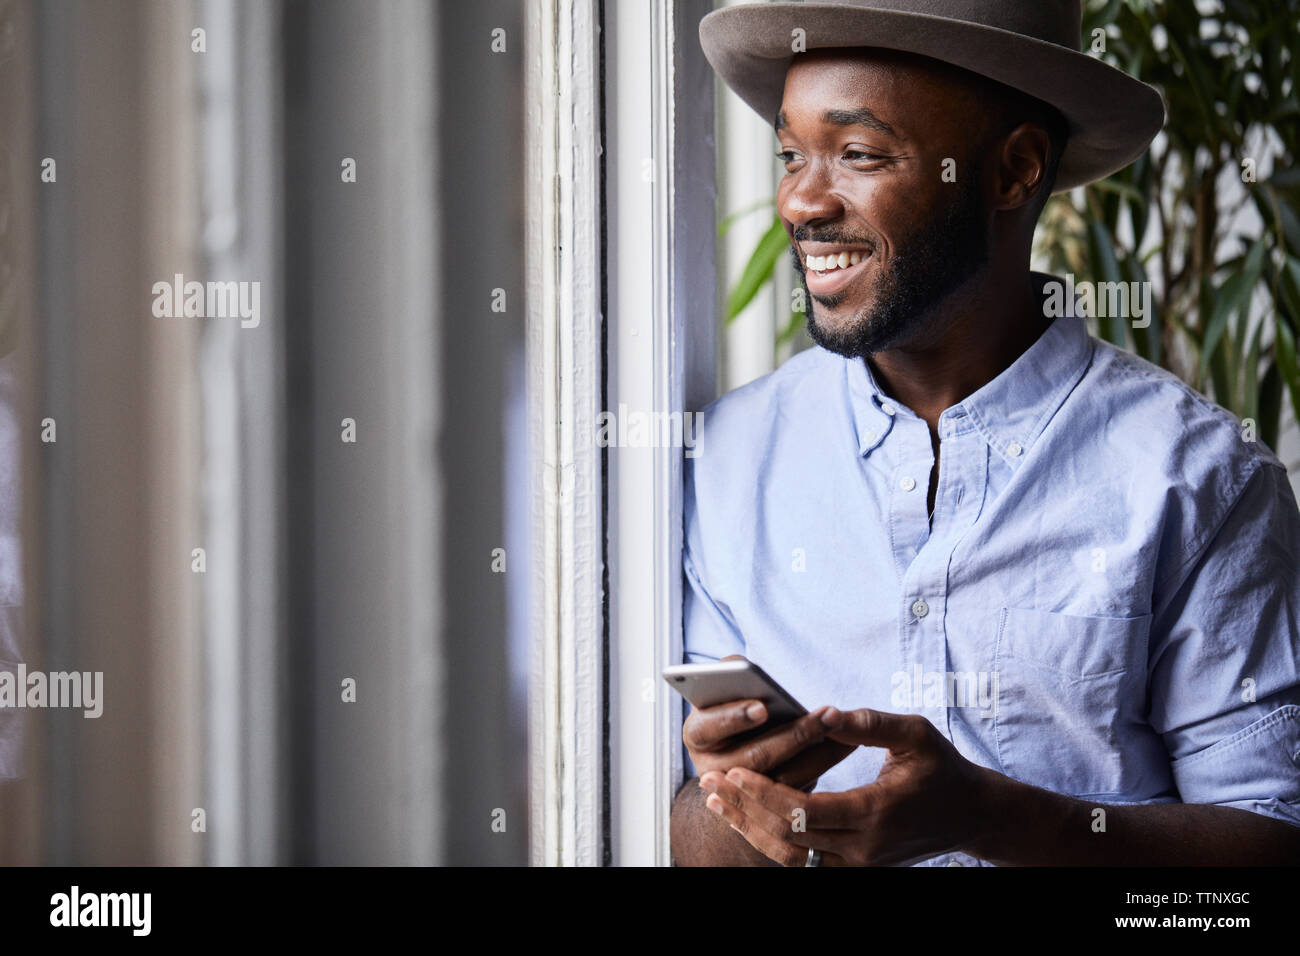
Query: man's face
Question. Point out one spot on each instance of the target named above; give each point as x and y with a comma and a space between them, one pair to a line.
865, 136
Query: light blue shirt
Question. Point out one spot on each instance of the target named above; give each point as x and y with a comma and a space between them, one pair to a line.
1106, 604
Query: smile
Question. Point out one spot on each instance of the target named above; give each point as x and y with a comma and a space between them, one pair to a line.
828, 274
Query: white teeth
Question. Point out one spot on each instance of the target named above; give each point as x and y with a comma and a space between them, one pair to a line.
832, 262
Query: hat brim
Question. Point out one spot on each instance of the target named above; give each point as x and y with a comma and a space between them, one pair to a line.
1112, 117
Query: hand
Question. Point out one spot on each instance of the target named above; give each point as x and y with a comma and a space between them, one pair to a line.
796, 753
926, 800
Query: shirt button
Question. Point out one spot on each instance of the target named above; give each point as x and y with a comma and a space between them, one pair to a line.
870, 436
1014, 450
920, 608
907, 484
954, 862
887, 408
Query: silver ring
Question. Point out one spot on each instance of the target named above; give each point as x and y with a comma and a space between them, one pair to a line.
814, 857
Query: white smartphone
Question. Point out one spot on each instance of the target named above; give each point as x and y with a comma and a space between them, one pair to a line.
713, 683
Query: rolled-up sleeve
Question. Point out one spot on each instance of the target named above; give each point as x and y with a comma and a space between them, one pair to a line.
1225, 658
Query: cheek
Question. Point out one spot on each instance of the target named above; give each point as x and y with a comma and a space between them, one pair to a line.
899, 209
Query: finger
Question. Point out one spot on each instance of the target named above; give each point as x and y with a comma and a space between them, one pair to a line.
707, 727
849, 810
792, 826
760, 815
803, 770
781, 744
875, 728
838, 846
761, 838
759, 789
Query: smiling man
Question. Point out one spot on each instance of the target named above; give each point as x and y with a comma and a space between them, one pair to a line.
1051, 592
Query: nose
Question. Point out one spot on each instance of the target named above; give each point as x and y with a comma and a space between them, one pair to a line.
806, 197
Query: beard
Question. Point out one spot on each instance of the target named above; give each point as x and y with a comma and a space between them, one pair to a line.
923, 272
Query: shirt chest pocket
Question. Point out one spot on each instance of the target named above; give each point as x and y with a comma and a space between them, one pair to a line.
1071, 695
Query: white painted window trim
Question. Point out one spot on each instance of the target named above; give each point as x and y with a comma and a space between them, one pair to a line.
659, 225
662, 319
565, 363
242, 431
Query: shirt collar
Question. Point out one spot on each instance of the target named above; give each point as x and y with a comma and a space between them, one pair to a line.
1009, 412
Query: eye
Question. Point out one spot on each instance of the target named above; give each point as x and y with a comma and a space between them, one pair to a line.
856, 156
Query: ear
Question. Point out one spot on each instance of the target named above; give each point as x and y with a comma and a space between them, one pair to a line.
1022, 163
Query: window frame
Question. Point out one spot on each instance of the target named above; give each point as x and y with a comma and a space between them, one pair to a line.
621, 213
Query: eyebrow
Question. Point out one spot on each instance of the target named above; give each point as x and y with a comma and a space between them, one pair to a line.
854, 117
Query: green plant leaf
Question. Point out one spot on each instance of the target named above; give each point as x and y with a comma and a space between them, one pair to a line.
1249, 403
797, 321
1147, 341
1198, 83
759, 268
1270, 405
1230, 298
1286, 364
1287, 178
1291, 279
1114, 328
741, 213
1290, 223
1127, 190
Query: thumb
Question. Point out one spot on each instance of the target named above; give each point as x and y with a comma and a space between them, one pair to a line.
875, 728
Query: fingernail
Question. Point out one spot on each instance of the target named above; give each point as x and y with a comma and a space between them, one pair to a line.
831, 717
754, 712
734, 776
714, 803
710, 785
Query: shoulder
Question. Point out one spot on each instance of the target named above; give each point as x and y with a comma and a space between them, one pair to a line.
755, 437
1164, 432
1188, 429
738, 428
811, 368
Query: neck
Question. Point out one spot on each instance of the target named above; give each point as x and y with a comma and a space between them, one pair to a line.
990, 325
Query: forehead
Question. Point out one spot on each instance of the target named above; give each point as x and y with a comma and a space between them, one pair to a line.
901, 88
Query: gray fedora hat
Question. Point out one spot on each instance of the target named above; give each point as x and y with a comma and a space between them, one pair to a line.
1031, 45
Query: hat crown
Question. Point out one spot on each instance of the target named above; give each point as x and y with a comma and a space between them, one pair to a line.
1055, 21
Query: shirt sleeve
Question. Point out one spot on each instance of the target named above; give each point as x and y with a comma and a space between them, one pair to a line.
709, 632
1225, 658
708, 628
